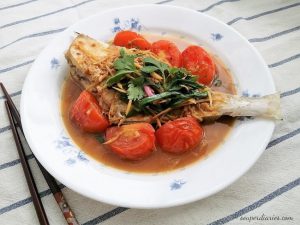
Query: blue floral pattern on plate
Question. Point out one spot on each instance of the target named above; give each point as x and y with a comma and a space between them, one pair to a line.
246, 93
177, 184
54, 63
70, 161
72, 154
63, 142
130, 24
216, 36
81, 156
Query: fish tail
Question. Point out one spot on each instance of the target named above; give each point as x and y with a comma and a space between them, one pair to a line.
267, 106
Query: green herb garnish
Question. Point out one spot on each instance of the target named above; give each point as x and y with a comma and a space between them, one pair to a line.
135, 92
162, 67
153, 98
172, 87
149, 69
125, 61
117, 77
124, 65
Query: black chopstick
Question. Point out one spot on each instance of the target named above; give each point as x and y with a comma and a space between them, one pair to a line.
12, 106
28, 175
55, 189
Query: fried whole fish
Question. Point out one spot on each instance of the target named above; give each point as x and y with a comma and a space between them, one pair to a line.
92, 65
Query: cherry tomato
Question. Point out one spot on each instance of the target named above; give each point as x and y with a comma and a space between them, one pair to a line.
196, 60
180, 135
134, 141
87, 113
140, 43
168, 50
130, 39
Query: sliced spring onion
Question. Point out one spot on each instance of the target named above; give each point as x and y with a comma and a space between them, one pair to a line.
186, 82
153, 98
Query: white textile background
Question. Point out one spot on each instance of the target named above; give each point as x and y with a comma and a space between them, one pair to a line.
270, 187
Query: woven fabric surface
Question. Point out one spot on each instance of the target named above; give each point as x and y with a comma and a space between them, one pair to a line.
269, 188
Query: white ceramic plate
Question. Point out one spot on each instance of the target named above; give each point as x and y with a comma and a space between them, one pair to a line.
50, 143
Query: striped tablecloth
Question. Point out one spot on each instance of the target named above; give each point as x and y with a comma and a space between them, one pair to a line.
269, 190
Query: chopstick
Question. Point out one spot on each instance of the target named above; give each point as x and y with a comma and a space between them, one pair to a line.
55, 189
28, 175
12, 106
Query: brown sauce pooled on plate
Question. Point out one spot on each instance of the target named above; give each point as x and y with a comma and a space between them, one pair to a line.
158, 161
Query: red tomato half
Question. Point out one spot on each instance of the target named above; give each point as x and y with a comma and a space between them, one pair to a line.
196, 60
180, 135
87, 113
133, 141
140, 43
130, 39
168, 50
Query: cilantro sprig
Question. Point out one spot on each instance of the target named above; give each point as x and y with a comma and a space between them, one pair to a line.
125, 61
124, 65
135, 89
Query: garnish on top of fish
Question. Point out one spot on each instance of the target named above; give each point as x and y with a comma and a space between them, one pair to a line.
133, 85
